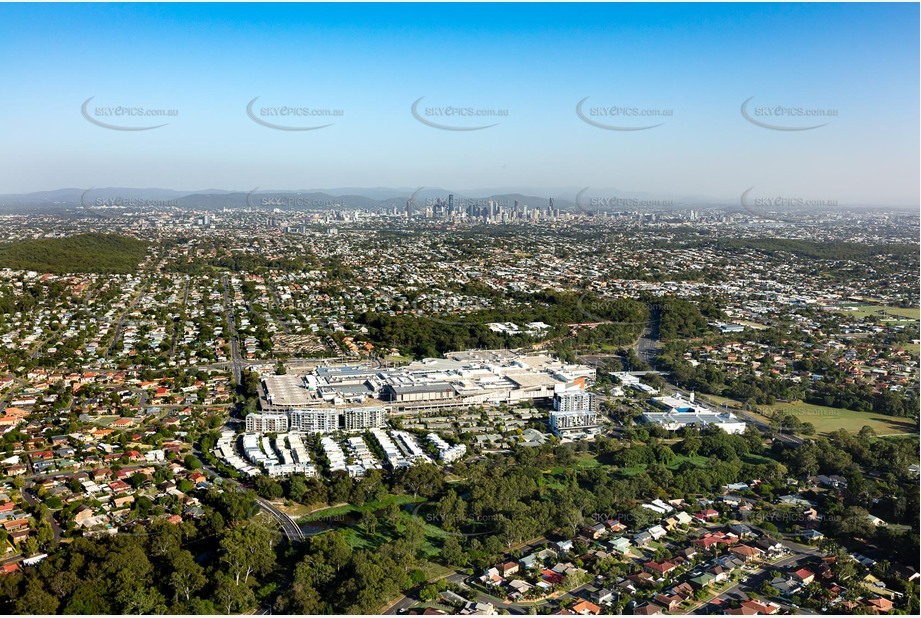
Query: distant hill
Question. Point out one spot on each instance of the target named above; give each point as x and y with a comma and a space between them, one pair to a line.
86, 253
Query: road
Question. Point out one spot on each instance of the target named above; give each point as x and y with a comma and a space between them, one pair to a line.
292, 531
647, 346
179, 322
32, 499
752, 583
18, 384
236, 358
121, 319
275, 309
287, 523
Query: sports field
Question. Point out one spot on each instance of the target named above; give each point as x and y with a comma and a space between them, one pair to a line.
827, 420
863, 311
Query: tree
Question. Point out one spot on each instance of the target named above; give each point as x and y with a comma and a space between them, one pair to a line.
269, 488
249, 550
392, 514
141, 599
414, 533
36, 600
423, 479
369, 522
232, 596
304, 598
187, 576
450, 511
297, 487
452, 553
333, 547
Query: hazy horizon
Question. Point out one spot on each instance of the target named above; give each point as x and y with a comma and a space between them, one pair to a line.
564, 195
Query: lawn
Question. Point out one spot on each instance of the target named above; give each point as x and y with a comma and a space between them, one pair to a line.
294, 509
863, 311
347, 509
698, 460
358, 538
827, 420
583, 462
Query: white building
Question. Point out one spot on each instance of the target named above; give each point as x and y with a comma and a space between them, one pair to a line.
574, 400
333, 453
446, 452
266, 423
682, 413
572, 424
320, 420
356, 419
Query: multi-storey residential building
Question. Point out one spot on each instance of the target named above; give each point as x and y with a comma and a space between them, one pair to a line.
575, 400
266, 423
568, 424
354, 419
320, 420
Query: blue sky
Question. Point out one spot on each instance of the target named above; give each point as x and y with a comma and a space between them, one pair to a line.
700, 62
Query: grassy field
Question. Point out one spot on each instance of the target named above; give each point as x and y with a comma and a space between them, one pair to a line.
863, 311
698, 460
347, 509
827, 420
752, 325
358, 537
583, 462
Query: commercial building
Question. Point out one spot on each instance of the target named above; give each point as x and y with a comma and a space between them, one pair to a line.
575, 411
460, 379
679, 412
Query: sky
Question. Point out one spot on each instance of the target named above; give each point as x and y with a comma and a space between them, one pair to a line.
687, 68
